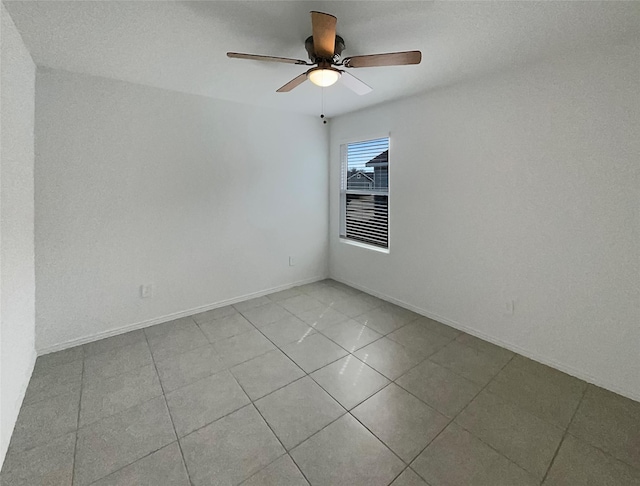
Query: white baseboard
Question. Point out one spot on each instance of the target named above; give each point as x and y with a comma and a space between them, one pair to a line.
633, 395
170, 317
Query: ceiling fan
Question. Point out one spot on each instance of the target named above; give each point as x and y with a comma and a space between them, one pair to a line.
325, 48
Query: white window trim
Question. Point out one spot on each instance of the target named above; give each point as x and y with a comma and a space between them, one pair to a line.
342, 215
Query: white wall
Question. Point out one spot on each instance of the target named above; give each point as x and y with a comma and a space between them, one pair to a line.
523, 186
17, 280
205, 199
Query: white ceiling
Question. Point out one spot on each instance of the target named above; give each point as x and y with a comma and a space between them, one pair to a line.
182, 45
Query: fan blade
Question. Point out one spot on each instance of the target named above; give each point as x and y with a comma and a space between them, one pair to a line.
354, 84
390, 59
255, 57
324, 34
298, 80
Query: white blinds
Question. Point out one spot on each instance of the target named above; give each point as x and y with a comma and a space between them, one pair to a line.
365, 192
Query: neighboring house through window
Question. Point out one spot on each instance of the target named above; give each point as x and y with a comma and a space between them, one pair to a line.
364, 197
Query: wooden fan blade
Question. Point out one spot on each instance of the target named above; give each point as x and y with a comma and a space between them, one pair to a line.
298, 80
390, 59
324, 34
256, 57
354, 84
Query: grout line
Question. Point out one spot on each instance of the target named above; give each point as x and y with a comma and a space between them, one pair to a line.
259, 329
400, 474
258, 411
75, 445
460, 412
347, 411
564, 435
131, 463
166, 404
299, 468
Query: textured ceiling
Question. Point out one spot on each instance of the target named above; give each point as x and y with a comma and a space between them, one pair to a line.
182, 45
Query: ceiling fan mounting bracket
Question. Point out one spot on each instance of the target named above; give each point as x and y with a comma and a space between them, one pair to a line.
337, 51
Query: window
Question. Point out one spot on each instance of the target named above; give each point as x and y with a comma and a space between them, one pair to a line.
364, 195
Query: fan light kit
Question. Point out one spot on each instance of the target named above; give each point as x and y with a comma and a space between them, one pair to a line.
325, 49
323, 77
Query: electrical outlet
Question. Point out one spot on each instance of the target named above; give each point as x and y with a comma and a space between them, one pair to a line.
292, 262
146, 291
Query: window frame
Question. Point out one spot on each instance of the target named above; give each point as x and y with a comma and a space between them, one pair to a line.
343, 194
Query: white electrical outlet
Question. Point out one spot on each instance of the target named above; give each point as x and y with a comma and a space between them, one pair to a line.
146, 291
291, 261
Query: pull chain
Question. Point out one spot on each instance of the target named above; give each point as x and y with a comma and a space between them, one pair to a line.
322, 108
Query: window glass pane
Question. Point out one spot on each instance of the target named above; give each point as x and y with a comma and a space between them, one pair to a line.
368, 165
365, 186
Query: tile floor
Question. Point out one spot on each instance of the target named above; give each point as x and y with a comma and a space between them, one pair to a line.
321, 385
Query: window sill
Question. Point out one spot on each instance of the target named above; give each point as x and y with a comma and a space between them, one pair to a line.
360, 244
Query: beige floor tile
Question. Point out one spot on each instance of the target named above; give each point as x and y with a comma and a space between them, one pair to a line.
287, 330
383, 320
47, 361
491, 349
527, 440
161, 467
226, 327
438, 387
153, 332
409, 478
117, 441
281, 472
114, 342
610, 422
300, 303
416, 336
457, 458
580, 463
241, 348
298, 410
40, 422
329, 294
52, 381
346, 453
266, 314
176, 341
266, 373
390, 358
50, 464
231, 449
349, 381
343, 287
284, 294
398, 311
437, 327
105, 397
185, 368
405, 424
470, 363
313, 352
547, 393
355, 305
117, 360
323, 317
351, 335
204, 401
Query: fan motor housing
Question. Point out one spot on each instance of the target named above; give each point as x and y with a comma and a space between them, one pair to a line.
339, 47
